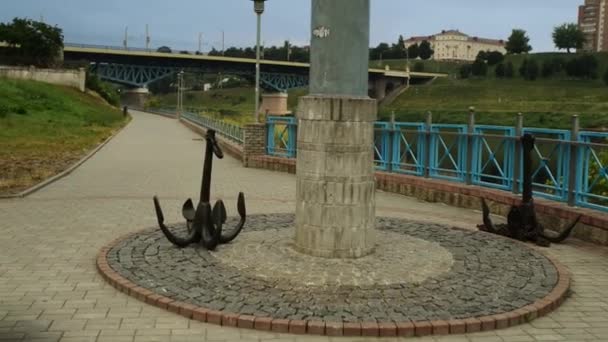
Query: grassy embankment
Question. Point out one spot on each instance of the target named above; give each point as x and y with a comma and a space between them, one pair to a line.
545, 102
45, 128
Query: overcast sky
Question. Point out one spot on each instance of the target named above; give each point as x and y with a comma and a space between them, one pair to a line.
176, 23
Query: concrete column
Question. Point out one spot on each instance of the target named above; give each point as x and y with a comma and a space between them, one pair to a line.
135, 97
335, 204
380, 88
275, 104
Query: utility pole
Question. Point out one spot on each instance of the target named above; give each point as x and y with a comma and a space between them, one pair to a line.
147, 38
125, 42
180, 93
258, 8
288, 50
223, 42
200, 42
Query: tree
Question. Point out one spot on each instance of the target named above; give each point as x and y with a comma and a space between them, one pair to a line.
413, 51
494, 57
518, 42
425, 50
482, 55
500, 70
568, 36
379, 52
214, 52
164, 49
35, 41
399, 50
479, 68
509, 70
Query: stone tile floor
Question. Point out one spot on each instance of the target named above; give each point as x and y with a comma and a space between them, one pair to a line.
50, 290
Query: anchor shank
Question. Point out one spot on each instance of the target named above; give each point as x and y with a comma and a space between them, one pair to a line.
527, 145
207, 168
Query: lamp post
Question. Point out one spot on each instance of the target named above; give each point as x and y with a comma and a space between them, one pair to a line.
258, 7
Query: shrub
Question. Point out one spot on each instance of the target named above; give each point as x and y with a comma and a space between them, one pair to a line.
4, 110
509, 70
500, 70
582, 67
494, 57
479, 68
465, 71
529, 69
548, 69
20, 111
606, 77
106, 91
228, 112
418, 67
523, 68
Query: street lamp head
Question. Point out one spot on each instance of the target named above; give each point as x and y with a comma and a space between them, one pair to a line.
258, 6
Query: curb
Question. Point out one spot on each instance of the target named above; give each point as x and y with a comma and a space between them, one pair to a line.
70, 169
526, 314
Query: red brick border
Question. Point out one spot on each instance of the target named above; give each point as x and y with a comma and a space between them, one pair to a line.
526, 314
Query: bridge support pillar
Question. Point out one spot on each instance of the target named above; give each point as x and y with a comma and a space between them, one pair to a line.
135, 97
335, 189
275, 104
380, 88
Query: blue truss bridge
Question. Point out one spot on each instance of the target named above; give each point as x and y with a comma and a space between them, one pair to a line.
137, 68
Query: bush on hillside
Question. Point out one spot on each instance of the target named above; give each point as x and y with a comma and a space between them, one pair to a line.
509, 70
479, 68
583, 67
529, 69
106, 91
419, 67
606, 77
494, 58
500, 70
465, 71
547, 69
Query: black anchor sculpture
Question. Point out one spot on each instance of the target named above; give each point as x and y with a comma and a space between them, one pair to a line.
205, 224
522, 222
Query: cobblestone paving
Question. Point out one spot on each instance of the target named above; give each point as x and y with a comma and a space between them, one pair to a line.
50, 289
488, 276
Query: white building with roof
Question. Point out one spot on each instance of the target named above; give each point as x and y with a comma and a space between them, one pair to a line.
453, 45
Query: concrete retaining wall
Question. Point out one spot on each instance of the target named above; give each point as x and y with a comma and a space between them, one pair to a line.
70, 78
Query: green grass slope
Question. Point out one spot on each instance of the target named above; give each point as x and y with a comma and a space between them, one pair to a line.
44, 128
544, 103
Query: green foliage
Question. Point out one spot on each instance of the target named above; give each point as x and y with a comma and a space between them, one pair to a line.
164, 49
532, 70
500, 70
584, 67
413, 51
518, 42
494, 58
425, 50
568, 36
547, 69
606, 77
479, 68
35, 42
509, 70
105, 90
418, 67
465, 71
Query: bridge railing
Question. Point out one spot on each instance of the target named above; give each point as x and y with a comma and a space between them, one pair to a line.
568, 166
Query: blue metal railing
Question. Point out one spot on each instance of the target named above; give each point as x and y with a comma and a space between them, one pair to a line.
440, 151
227, 130
282, 136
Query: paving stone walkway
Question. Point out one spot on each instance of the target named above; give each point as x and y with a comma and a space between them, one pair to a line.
50, 289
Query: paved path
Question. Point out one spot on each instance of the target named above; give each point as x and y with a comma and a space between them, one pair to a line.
50, 290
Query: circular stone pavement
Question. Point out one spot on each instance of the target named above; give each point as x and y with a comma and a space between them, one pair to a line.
423, 279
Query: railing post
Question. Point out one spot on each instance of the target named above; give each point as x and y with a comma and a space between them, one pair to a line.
519, 128
470, 141
574, 159
391, 138
428, 139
